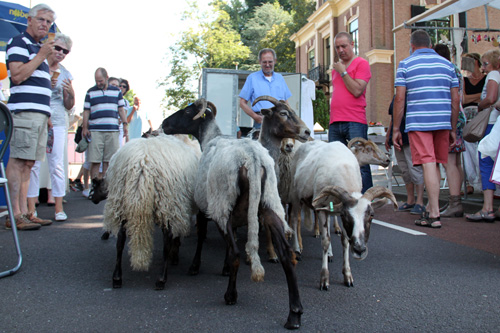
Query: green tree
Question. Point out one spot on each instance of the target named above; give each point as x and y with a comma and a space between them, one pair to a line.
321, 109
265, 17
212, 44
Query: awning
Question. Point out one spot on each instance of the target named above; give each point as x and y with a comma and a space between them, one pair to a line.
448, 8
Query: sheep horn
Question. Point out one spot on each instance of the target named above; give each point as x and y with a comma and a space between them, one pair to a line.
267, 98
340, 197
202, 108
354, 140
380, 191
212, 107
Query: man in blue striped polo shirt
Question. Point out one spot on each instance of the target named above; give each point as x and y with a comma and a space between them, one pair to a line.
430, 85
103, 106
29, 102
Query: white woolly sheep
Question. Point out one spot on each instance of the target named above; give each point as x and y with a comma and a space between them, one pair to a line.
235, 186
150, 181
329, 173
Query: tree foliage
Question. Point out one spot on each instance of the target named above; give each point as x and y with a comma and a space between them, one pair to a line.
321, 109
232, 32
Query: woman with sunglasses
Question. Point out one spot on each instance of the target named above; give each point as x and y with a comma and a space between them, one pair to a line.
124, 87
489, 97
61, 105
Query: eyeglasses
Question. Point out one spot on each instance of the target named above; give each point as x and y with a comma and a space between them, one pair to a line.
123, 86
58, 48
485, 63
42, 20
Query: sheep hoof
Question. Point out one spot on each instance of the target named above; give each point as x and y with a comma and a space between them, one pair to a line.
231, 297
298, 256
349, 282
293, 321
117, 283
330, 259
273, 260
194, 270
105, 235
160, 284
324, 286
316, 235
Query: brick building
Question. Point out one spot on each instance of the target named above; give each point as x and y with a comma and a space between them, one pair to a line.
371, 22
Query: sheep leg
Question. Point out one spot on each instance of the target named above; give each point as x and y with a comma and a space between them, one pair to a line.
273, 257
231, 295
167, 247
299, 230
346, 267
201, 224
317, 231
330, 251
288, 262
336, 226
295, 241
174, 251
120, 244
325, 242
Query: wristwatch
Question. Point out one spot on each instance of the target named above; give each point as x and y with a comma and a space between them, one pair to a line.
343, 74
125, 123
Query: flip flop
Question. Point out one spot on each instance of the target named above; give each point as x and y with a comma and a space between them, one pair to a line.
405, 207
481, 216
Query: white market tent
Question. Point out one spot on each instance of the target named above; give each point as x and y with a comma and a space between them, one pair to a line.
453, 7
448, 8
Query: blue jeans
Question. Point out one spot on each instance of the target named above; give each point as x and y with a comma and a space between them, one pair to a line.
486, 167
344, 131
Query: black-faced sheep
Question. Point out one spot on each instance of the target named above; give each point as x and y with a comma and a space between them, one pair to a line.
150, 181
235, 186
316, 167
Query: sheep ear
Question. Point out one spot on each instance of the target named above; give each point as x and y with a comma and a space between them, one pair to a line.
266, 112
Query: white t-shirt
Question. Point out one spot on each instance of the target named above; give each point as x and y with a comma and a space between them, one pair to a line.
495, 76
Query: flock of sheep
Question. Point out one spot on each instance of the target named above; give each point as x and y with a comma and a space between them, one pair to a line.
239, 182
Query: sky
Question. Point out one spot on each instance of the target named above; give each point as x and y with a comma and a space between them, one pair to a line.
129, 38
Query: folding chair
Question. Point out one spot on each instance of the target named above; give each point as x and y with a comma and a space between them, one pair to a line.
7, 127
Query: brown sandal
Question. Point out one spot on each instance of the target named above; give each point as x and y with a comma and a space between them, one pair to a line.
481, 216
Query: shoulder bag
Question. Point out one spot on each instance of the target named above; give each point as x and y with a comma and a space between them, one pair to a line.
474, 129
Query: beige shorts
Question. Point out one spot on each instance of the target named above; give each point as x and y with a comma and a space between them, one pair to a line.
102, 146
29, 138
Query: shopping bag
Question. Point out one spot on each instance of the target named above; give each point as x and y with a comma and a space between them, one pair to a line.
474, 129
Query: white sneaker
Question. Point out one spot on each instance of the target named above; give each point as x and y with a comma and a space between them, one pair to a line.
61, 216
85, 193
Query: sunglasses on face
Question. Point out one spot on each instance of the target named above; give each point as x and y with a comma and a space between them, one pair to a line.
58, 48
123, 86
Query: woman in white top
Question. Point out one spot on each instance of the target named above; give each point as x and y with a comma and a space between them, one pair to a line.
61, 102
489, 96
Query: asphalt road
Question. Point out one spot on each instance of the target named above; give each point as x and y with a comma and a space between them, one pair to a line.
437, 282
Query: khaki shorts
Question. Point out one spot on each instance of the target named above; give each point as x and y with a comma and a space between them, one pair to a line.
102, 146
29, 138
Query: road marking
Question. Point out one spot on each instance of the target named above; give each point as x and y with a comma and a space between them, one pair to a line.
396, 227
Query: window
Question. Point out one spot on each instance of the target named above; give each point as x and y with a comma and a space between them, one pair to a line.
312, 60
353, 30
327, 57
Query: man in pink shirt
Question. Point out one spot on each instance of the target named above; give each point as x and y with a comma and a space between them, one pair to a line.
350, 76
